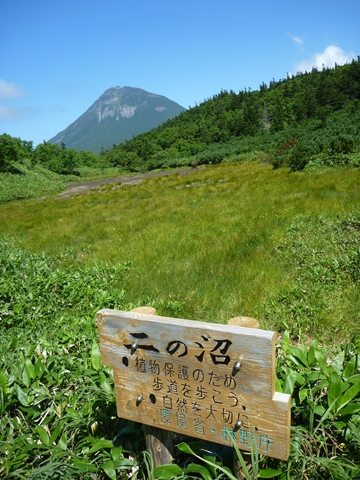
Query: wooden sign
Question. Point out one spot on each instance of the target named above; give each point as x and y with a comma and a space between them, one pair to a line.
210, 381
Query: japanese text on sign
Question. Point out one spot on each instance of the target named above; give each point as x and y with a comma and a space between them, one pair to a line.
205, 380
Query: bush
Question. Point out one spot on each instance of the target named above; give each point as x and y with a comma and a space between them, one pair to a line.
56, 159
12, 150
325, 389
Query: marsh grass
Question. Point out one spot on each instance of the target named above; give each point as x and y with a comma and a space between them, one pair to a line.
203, 246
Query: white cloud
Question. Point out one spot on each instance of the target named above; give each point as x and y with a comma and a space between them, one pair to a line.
327, 58
299, 42
9, 90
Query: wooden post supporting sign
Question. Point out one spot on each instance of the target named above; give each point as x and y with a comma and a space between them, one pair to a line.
209, 381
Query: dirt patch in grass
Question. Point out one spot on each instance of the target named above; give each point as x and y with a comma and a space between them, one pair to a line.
85, 187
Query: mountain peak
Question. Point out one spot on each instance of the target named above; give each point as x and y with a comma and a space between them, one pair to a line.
119, 114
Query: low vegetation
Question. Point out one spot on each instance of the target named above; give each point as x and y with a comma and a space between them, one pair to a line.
227, 240
268, 227
29, 183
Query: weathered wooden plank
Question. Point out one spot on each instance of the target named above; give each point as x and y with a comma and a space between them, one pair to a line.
209, 381
264, 423
160, 443
206, 346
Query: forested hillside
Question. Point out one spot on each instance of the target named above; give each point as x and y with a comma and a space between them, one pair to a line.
306, 120
291, 121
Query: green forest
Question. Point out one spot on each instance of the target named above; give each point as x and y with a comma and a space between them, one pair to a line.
311, 117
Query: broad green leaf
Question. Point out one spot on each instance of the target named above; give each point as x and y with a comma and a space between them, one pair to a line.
81, 466
349, 394
311, 353
278, 387
104, 383
25, 377
315, 376
41, 393
29, 349
212, 468
303, 394
350, 367
14, 343
321, 361
184, 447
337, 363
30, 368
116, 453
289, 383
297, 355
95, 357
349, 409
319, 410
269, 473
39, 368
124, 463
109, 469
195, 468
354, 379
43, 434
300, 379
55, 433
63, 442
334, 391
167, 472
100, 445
4, 383
22, 396
286, 340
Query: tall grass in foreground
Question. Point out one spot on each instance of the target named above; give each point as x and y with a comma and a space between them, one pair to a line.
226, 241
57, 405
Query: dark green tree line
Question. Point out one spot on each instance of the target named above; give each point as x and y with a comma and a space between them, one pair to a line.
294, 102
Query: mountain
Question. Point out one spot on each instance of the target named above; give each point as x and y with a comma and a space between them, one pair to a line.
118, 115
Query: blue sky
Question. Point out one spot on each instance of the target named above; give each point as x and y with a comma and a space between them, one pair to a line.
58, 56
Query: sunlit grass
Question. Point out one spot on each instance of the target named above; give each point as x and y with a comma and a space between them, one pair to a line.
201, 246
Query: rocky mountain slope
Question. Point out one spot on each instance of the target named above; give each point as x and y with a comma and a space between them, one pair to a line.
118, 115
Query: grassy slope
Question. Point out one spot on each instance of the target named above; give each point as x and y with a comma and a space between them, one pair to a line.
233, 239
34, 181
216, 244
29, 183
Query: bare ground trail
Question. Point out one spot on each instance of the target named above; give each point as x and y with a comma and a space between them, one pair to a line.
85, 187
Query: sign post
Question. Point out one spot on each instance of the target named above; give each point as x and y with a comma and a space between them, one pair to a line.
210, 381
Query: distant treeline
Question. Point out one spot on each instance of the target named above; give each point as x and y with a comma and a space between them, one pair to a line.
311, 117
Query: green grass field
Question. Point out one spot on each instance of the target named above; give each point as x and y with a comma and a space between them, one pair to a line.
229, 240
214, 244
